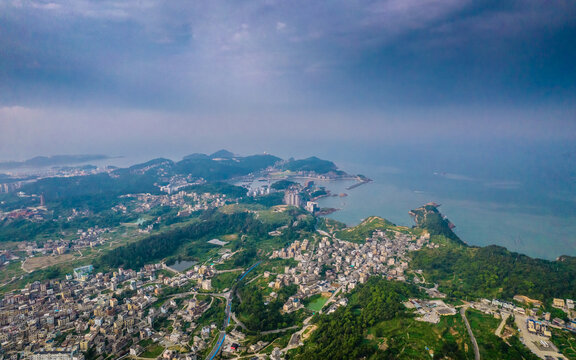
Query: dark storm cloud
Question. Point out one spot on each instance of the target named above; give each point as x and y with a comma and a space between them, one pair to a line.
314, 65
135, 51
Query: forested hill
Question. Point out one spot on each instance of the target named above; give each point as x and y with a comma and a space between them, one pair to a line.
159, 246
428, 217
492, 271
148, 176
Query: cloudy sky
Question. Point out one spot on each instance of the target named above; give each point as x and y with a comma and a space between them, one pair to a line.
126, 76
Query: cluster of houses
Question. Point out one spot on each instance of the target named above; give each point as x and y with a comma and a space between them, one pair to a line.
178, 182
187, 202
337, 264
35, 214
107, 313
90, 237
537, 321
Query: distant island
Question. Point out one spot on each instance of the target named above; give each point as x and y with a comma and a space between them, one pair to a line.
42, 161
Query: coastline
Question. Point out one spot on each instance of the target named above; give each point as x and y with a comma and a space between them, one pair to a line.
544, 236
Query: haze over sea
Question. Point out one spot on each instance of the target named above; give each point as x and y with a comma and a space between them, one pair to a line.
518, 195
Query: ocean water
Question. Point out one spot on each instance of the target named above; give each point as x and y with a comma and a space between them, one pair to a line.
519, 197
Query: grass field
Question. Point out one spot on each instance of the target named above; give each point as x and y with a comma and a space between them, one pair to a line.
39, 262
316, 303
225, 280
152, 351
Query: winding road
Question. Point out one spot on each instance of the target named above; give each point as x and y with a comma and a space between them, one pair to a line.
474, 343
228, 313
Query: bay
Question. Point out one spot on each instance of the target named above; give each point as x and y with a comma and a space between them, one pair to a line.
522, 200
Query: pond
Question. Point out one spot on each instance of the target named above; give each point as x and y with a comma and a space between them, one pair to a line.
183, 265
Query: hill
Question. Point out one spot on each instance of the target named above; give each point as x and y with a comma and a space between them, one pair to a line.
428, 217
367, 227
41, 161
313, 164
145, 177
224, 154
474, 272
492, 271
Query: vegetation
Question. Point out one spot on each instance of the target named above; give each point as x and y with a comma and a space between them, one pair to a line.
342, 335
490, 271
490, 345
57, 223
256, 315
283, 184
215, 314
428, 217
319, 192
566, 342
195, 235
366, 228
330, 225
226, 168
39, 161
273, 199
314, 164
224, 280
493, 271
94, 192
375, 325
218, 188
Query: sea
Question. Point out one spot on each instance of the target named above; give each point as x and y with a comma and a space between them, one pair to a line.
520, 195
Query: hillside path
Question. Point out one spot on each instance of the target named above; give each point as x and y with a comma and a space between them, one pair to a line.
474, 343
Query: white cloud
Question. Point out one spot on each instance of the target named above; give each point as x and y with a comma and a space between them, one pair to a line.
16, 113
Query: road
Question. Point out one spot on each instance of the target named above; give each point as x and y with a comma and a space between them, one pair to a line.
222, 335
11, 280
228, 271
279, 330
474, 343
22, 266
218, 346
331, 299
228, 312
297, 336
498, 331
238, 322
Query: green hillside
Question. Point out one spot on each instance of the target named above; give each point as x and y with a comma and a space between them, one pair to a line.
367, 227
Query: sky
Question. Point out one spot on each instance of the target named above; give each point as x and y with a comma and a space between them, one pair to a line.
125, 77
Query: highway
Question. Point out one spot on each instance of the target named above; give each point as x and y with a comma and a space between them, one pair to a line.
218, 346
227, 314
